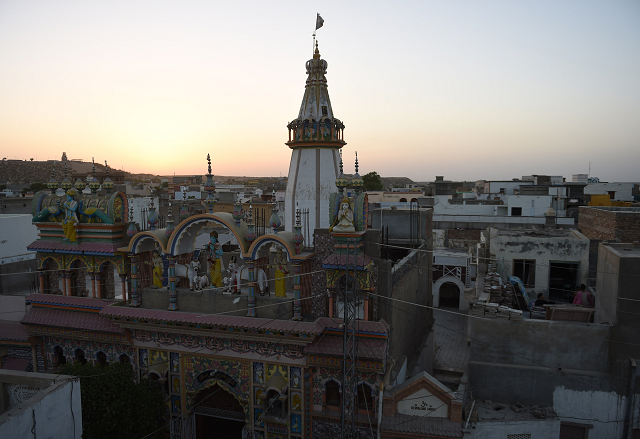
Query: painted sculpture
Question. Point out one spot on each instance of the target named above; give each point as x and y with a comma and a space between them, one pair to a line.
158, 269
70, 207
215, 260
239, 282
189, 272
344, 218
280, 267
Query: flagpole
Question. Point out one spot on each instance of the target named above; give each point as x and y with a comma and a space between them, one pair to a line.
313, 46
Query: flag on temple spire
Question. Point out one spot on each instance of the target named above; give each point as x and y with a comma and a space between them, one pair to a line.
319, 22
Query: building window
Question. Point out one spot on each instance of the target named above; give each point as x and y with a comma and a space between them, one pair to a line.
516, 211
332, 393
58, 357
365, 398
325, 112
612, 195
525, 269
79, 356
102, 359
571, 430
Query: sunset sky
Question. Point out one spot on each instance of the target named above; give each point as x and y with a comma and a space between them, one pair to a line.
465, 89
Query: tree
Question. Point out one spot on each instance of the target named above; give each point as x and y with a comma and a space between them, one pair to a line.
372, 182
113, 405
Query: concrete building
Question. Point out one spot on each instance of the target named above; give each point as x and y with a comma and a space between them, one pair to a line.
39, 405
16, 232
615, 191
602, 223
618, 296
548, 261
549, 369
504, 187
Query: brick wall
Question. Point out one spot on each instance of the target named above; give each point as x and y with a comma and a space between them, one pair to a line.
597, 223
462, 238
602, 224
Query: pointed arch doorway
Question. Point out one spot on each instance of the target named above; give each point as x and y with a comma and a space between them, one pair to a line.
217, 410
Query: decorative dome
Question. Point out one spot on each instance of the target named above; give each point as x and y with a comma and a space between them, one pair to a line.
80, 185
94, 185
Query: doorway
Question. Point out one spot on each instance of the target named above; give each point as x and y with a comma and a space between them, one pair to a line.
449, 296
218, 411
563, 281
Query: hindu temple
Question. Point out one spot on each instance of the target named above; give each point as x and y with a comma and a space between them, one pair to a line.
246, 337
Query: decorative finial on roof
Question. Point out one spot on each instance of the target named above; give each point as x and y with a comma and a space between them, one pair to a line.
53, 183
341, 167
356, 162
66, 183
316, 54
210, 187
170, 227
93, 167
107, 184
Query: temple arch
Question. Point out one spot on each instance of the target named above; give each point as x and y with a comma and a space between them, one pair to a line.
183, 238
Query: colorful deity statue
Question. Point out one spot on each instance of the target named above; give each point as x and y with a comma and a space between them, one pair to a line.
158, 269
344, 218
70, 209
280, 266
215, 260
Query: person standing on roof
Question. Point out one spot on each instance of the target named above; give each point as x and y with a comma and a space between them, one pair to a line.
583, 297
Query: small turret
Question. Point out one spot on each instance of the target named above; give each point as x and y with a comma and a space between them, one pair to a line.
356, 181
94, 184
210, 187
107, 184
53, 183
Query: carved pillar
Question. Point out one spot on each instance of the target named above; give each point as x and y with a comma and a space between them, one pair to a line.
297, 308
41, 279
123, 282
34, 357
99, 284
173, 295
93, 285
64, 282
68, 275
135, 294
330, 305
251, 312
366, 307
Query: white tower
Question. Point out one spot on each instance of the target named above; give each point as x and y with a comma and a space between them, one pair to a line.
315, 138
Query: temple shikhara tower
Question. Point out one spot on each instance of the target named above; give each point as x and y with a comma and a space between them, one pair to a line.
315, 138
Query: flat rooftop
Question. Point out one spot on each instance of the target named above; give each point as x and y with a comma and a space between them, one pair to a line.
625, 250
536, 232
513, 412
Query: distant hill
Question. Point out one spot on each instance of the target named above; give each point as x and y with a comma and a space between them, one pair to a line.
27, 172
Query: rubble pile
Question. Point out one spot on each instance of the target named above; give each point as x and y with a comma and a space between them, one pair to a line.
497, 299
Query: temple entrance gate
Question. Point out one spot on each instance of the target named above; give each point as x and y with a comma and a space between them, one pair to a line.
217, 410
